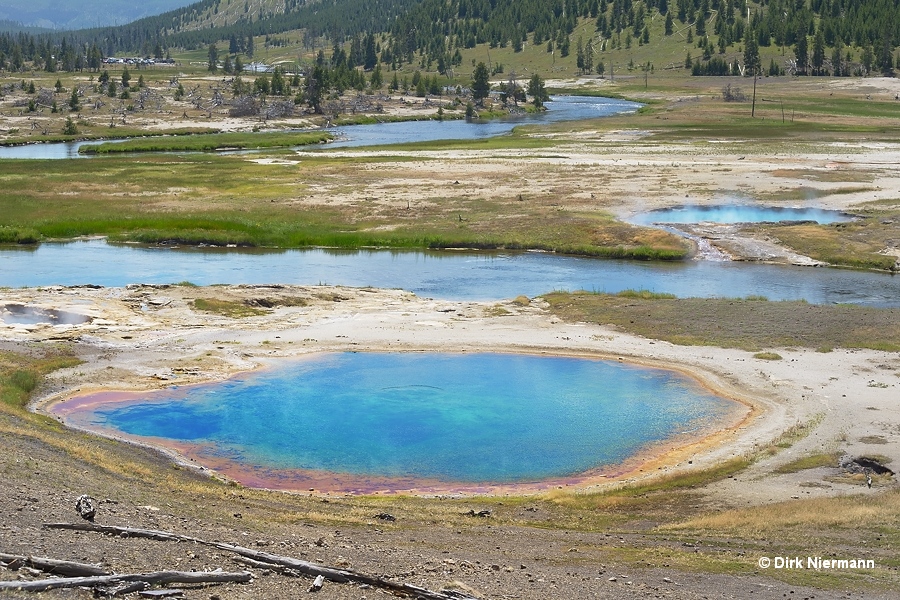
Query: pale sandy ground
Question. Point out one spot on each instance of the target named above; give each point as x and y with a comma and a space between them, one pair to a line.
148, 337
626, 172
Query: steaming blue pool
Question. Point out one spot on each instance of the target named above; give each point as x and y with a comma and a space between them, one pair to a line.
398, 417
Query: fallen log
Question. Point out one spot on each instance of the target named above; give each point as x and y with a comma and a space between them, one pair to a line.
124, 589
258, 564
152, 534
57, 567
156, 578
302, 566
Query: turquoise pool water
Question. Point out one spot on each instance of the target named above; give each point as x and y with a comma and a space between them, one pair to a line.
453, 418
739, 213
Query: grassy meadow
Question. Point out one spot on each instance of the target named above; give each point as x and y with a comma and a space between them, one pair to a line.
223, 200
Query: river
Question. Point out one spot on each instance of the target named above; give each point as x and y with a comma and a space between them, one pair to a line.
451, 275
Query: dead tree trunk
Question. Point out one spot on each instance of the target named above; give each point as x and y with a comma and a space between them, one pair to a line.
49, 565
157, 578
302, 566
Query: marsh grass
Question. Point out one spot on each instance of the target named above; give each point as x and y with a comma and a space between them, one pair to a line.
855, 244
734, 323
767, 356
374, 120
21, 374
227, 308
873, 439
209, 142
645, 295
89, 132
18, 235
812, 461
651, 498
794, 434
228, 200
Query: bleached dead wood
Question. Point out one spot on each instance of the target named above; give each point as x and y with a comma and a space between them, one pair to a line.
258, 564
65, 568
302, 566
156, 578
317, 584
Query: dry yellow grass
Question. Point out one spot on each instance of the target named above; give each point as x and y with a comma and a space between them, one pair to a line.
813, 515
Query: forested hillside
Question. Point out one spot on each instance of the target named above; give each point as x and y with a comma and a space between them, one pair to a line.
437, 26
817, 37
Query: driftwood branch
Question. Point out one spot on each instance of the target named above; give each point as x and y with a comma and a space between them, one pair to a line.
157, 578
153, 534
258, 564
49, 565
302, 566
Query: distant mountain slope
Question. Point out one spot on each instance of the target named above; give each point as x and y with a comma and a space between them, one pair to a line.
81, 14
210, 21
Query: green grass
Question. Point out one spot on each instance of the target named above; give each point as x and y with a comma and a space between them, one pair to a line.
21, 374
645, 295
229, 200
18, 235
448, 115
103, 133
227, 308
767, 356
813, 461
857, 244
209, 142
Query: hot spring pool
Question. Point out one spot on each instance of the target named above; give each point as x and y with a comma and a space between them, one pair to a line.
21, 314
396, 421
738, 213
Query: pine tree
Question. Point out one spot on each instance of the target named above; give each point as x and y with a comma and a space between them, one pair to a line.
480, 85
370, 57
579, 55
818, 55
213, 55
537, 91
74, 103
751, 55
70, 128
801, 52
376, 80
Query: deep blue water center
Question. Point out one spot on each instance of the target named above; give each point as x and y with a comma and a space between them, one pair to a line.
477, 418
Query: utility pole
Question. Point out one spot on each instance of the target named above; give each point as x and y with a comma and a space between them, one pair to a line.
753, 108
